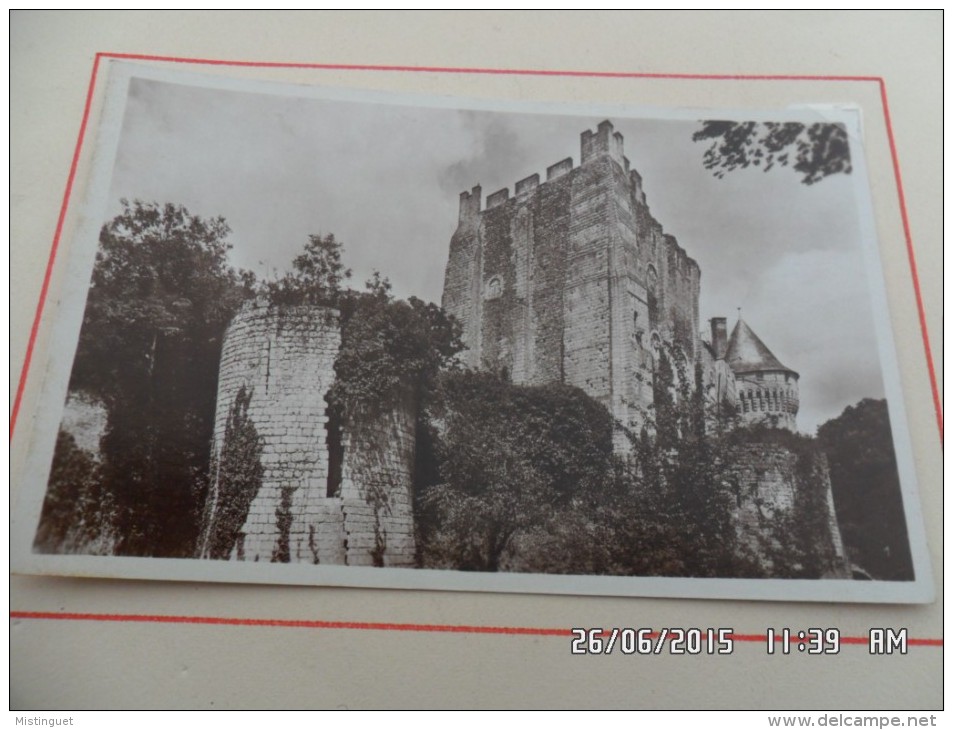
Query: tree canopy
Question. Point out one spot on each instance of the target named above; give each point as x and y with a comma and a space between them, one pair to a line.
316, 275
814, 151
866, 487
508, 459
161, 295
390, 349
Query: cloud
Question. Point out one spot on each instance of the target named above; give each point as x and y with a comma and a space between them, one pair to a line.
385, 179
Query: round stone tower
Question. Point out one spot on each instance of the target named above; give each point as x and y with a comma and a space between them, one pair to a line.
767, 390
329, 492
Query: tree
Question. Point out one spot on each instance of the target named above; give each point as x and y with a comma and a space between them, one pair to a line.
815, 151
316, 276
390, 349
161, 295
512, 463
866, 487
684, 524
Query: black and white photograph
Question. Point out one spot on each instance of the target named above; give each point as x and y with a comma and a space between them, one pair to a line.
329, 337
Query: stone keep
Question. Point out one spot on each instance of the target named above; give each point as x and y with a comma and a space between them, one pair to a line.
356, 511
573, 280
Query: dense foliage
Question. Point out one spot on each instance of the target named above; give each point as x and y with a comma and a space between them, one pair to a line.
78, 512
391, 350
236, 479
525, 479
866, 489
161, 294
507, 459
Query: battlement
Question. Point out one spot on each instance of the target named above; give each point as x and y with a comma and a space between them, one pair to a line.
497, 198
592, 145
470, 203
526, 186
604, 141
563, 167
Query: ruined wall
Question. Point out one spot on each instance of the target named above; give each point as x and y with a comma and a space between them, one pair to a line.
283, 357
463, 280
769, 483
376, 487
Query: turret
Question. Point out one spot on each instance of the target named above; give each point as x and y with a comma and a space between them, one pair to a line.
767, 390
604, 141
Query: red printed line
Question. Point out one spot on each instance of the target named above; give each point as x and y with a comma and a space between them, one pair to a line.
937, 403
56, 242
492, 71
287, 623
365, 626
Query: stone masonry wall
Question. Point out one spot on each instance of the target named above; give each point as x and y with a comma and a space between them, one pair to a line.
284, 357
765, 477
463, 280
569, 280
377, 476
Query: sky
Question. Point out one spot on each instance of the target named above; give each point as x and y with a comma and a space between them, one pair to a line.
386, 179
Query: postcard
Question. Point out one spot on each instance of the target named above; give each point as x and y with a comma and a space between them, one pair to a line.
332, 337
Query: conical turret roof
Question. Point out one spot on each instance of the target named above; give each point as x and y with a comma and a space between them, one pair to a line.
746, 352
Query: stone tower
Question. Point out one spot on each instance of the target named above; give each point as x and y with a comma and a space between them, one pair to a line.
331, 492
573, 280
767, 391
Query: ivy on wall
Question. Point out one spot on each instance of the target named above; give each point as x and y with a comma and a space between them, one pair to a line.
238, 475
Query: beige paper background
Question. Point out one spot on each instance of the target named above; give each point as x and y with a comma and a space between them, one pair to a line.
83, 664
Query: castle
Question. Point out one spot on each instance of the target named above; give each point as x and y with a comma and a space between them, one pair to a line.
571, 280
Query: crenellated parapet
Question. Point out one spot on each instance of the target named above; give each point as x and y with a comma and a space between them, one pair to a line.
604, 141
573, 280
568, 279
470, 205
